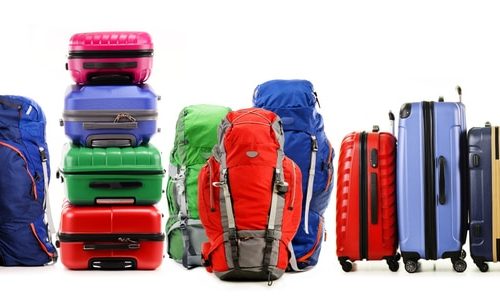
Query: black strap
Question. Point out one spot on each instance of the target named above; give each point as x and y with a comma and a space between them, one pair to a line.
442, 185
233, 241
268, 249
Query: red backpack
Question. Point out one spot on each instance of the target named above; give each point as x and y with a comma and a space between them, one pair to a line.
250, 199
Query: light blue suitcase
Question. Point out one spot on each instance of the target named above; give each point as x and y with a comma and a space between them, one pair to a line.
432, 187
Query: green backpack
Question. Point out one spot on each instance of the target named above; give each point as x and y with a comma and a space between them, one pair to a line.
196, 135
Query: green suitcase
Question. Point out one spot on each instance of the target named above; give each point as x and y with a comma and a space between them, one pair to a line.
196, 134
108, 176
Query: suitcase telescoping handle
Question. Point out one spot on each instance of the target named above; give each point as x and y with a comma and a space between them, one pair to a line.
391, 119
442, 184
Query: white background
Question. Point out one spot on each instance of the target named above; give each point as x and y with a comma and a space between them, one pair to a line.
364, 57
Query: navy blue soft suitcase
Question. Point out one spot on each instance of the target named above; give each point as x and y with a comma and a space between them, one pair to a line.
484, 194
432, 183
105, 116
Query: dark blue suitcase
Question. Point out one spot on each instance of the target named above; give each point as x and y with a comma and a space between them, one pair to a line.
431, 178
110, 116
484, 195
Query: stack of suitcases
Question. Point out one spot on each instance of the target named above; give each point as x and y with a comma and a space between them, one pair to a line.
113, 176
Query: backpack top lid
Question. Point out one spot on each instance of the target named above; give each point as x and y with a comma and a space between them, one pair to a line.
32, 111
249, 136
21, 119
196, 133
285, 94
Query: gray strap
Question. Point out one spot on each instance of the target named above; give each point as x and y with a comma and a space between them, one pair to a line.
293, 260
46, 201
180, 193
227, 198
231, 224
280, 187
180, 190
310, 182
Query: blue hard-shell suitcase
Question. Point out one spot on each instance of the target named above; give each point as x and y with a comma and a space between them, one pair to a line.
483, 144
110, 116
432, 185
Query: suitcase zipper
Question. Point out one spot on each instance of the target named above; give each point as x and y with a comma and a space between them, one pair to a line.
110, 54
429, 183
142, 173
118, 237
363, 197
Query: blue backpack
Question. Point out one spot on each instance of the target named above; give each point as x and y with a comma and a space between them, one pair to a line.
306, 144
24, 178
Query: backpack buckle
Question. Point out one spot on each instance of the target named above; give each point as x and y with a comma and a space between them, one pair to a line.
282, 187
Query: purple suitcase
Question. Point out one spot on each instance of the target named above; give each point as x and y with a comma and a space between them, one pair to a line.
431, 190
110, 116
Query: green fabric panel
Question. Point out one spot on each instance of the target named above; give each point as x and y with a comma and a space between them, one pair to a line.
196, 135
83, 159
175, 241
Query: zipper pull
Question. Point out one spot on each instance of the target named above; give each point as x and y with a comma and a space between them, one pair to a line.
314, 143
43, 154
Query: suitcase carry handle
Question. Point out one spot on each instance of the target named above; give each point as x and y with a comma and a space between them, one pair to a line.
109, 247
116, 185
111, 140
110, 125
112, 264
114, 201
374, 198
104, 79
442, 185
119, 65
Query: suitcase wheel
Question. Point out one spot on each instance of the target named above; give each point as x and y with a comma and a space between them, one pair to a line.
411, 266
346, 265
459, 265
393, 263
483, 266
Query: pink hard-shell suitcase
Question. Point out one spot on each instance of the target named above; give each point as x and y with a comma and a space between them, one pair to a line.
110, 57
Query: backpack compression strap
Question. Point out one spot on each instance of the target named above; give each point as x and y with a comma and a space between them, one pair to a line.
310, 182
189, 257
46, 200
280, 188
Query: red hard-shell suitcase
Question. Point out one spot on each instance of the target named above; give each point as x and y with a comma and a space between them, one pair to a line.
366, 199
104, 57
117, 237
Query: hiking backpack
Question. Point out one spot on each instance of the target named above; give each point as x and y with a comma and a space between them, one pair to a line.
306, 144
196, 135
25, 239
249, 199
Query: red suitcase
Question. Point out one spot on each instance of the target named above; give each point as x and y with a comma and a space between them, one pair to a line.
117, 237
366, 199
104, 57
